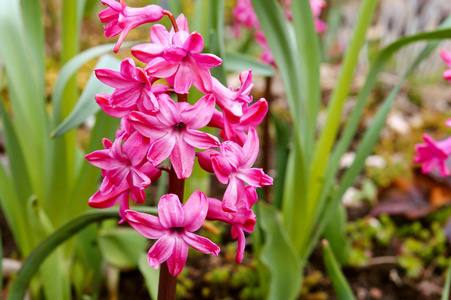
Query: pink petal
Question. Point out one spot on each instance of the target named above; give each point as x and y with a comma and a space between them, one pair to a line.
204, 160
206, 61
169, 112
170, 211
148, 125
201, 244
99, 200
103, 160
238, 233
194, 43
177, 260
233, 153
103, 100
200, 76
159, 35
147, 52
254, 177
147, 225
183, 79
200, 139
182, 158
135, 148
160, 68
111, 78
195, 208
161, 251
231, 194
174, 54
161, 149
199, 114
250, 149
222, 167
254, 114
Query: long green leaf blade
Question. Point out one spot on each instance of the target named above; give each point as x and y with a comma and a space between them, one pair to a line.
86, 106
279, 255
341, 286
34, 260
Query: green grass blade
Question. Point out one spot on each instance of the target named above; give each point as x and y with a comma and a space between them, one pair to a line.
238, 62
341, 286
86, 106
34, 260
279, 256
446, 288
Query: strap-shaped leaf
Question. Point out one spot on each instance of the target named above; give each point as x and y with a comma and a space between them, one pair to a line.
47, 246
69, 69
279, 255
372, 134
86, 105
341, 286
238, 62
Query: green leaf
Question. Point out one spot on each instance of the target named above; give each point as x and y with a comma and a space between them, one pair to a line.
335, 234
47, 246
372, 134
283, 139
446, 288
216, 36
86, 105
238, 62
175, 6
334, 110
151, 276
122, 247
279, 256
70, 68
17, 165
34, 31
279, 37
341, 286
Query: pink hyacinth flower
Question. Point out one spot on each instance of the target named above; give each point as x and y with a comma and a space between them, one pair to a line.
174, 230
183, 65
133, 88
125, 172
161, 38
175, 129
446, 56
230, 101
122, 18
244, 14
233, 167
433, 154
242, 220
234, 131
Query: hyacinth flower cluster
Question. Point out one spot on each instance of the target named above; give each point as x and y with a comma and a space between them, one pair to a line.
244, 16
155, 128
433, 154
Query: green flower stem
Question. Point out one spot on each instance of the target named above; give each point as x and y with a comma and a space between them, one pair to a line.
47, 246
